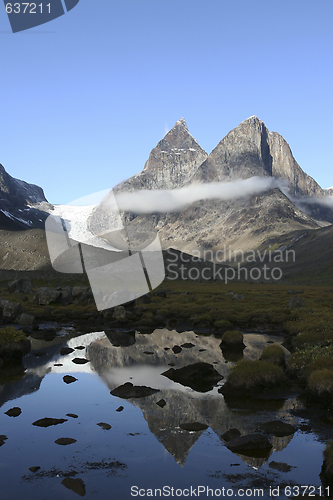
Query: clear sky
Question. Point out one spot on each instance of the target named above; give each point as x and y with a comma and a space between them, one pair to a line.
86, 97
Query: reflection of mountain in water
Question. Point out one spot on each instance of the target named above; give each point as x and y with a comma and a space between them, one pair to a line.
143, 362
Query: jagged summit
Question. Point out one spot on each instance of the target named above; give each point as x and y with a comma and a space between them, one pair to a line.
171, 164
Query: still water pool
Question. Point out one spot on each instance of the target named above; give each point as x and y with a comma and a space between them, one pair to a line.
145, 449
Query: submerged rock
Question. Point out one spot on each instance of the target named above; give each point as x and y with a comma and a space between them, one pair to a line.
76, 485
14, 412
65, 441
200, 376
66, 350
161, 403
249, 443
80, 361
128, 390
193, 426
231, 434
280, 466
47, 422
104, 426
68, 379
278, 428
121, 339
72, 415
120, 408
3, 438
34, 468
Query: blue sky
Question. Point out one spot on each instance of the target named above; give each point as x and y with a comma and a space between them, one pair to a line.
86, 97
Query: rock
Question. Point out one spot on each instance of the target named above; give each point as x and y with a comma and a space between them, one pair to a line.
231, 434
3, 438
120, 408
47, 422
249, 443
188, 345
68, 379
12, 310
76, 485
280, 466
176, 349
237, 297
14, 412
66, 350
26, 319
232, 340
80, 347
78, 291
193, 426
104, 426
34, 469
72, 415
46, 296
3, 303
86, 299
80, 361
295, 303
119, 312
65, 441
161, 403
121, 339
278, 428
199, 376
66, 297
22, 285
128, 390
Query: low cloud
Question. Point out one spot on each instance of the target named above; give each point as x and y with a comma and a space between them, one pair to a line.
175, 200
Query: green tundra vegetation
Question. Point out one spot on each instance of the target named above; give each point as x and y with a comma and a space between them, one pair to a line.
217, 308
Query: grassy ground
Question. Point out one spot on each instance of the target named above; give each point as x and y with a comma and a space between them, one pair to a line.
211, 307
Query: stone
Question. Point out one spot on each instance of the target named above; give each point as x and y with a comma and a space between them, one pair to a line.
3, 438
231, 434
278, 428
26, 319
86, 299
46, 296
72, 415
144, 299
76, 485
68, 379
66, 350
22, 285
3, 303
128, 390
121, 339
120, 408
193, 426
14, 412
78, 291
65, 441
119, 312
177, 349
188, 345
295, 303
12, 310
280, 466
34, 468
47, 422
104, 426
80, 361
250, 442
237, 297
200, 376
66, 297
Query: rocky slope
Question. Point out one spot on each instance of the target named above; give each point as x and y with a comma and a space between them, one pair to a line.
21, 205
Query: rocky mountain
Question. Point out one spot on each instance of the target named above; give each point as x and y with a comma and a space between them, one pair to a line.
248, 151
21, 204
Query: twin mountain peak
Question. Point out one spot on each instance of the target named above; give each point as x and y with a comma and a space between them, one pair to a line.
246, 151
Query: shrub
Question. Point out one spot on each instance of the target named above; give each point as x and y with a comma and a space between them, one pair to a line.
10, 334
303, 361
274, 354
327, 469
222, 324
320, 384
248, 377
232, 339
